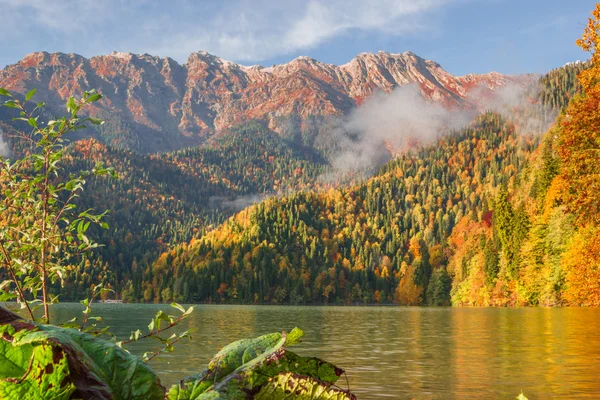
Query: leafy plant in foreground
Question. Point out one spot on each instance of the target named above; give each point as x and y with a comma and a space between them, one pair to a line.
92, 328
44, 361
156, 327
41, 230
264, 369
41, 233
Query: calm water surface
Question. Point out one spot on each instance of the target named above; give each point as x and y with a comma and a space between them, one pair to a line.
401, 353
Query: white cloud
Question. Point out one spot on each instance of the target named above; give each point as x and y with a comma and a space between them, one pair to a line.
60, 16
241, 30
4, 150
390, 123
398, 121
258, 31
323, 20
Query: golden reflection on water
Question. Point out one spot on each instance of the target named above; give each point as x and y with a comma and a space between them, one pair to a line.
402, 353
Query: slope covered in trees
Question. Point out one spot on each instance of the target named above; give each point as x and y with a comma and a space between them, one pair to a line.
544, 237
381, 241
252, 159
170, 198
436, 226
557, 87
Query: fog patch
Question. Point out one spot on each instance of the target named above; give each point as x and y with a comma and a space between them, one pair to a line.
356, 145
237, 203
4, 149
388, 124
517, 103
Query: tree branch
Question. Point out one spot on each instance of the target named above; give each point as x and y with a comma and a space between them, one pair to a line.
15, 280
156, 332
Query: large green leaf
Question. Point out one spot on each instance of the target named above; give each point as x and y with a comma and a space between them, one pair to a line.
44, 361
252, 367
286, 361
69, 363
13, 359
32, 372
226, 361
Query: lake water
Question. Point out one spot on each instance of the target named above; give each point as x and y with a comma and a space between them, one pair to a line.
401, 353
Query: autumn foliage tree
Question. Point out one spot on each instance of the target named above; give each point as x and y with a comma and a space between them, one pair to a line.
579, 140
582, 264
579, 152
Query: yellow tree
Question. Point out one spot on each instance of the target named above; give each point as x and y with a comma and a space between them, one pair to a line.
581, 262
408, 292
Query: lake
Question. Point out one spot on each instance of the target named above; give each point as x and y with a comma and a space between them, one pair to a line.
398, 352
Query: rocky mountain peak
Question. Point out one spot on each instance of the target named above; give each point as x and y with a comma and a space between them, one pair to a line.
168, 105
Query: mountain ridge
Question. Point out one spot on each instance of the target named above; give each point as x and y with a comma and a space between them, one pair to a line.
171, 105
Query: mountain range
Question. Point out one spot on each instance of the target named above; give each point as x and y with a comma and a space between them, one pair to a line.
154, 104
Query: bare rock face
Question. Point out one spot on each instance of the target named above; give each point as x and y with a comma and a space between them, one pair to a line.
171, 105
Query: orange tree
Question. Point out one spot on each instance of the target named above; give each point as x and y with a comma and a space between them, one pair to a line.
579, 138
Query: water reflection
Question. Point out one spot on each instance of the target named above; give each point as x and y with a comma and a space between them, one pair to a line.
412, 353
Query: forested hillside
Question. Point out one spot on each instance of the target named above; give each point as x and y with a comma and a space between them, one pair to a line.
557, 87
545, 236
434, 227
251, 159
170, 198
381, 241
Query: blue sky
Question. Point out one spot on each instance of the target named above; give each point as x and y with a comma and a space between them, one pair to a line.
464, 36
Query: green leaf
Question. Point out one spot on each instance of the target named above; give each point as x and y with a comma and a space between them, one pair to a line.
72, 323
103, 369
302, 387
30, 94
294, 337
94, 97
161, 316
11, 104
179, 307
71, 106
19, 380
6, 296
96, 121
263, 366
5, 93
6, 283
135, 335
